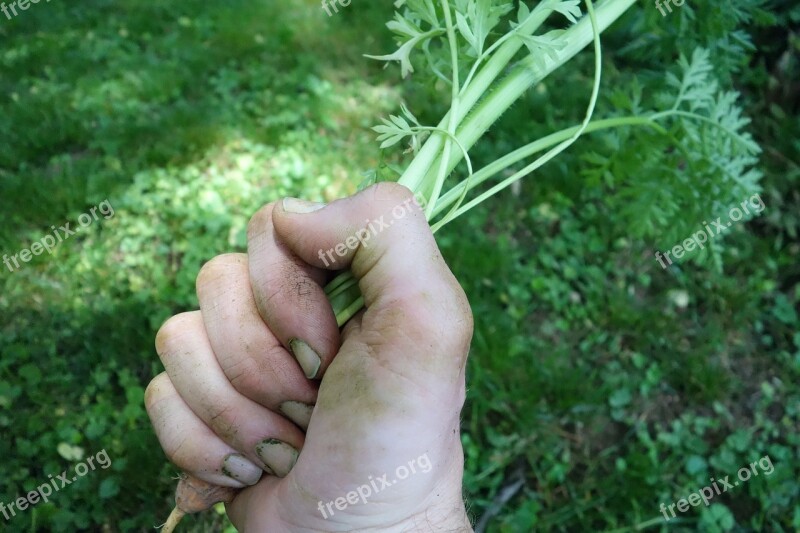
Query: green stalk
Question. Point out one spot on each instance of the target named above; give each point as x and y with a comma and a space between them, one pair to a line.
553, 152
343, 292
694, 116
532, 148
507, 48
451, 128
415, 175
527, 73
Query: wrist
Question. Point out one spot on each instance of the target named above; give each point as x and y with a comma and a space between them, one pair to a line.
432, 521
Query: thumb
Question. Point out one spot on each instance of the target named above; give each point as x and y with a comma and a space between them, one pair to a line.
382, 235
395, 389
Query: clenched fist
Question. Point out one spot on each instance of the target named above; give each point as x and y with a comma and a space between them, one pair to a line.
323, 430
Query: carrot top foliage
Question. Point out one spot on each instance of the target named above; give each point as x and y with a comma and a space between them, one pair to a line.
488, 55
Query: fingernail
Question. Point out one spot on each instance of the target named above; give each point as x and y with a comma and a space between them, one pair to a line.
308, 358
297, 412
277, 455
237, 466
295, 205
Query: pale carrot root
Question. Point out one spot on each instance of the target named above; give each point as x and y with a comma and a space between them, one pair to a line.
174, 519
194, 495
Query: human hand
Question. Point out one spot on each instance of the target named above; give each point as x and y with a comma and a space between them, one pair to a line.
382, 450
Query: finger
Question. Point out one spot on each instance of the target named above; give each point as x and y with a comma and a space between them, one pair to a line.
289, 296
254, 361
265, 437
384, 237
353, 326
191, 445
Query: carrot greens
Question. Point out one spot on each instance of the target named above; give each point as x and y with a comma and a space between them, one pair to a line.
451, 38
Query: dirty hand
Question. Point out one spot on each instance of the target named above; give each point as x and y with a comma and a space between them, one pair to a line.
382, 450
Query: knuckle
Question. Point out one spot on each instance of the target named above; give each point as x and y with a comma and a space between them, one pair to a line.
219, 267
297, 285
260, 220
444, 321
178, 449
287, 288
155, 390
463, 319
173, 330
175, 453
389, 191
245, 377
224, 421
